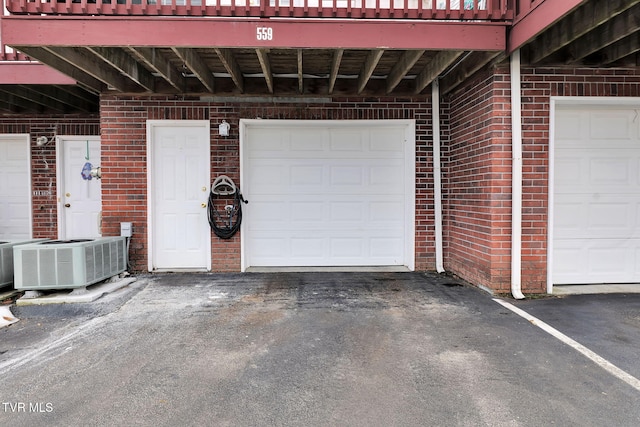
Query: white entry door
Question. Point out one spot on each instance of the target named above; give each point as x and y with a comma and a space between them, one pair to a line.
328, 193
179, 173
596, 234
15, 187
80, 200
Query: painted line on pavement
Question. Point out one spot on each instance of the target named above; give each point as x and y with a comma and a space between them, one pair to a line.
594, 357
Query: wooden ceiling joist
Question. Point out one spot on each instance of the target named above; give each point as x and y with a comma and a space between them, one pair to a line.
263, 58
156, 61
368, 68
193, 61
127, 65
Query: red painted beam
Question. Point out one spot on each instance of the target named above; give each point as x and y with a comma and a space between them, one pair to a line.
28, 73
255, 33
539, 19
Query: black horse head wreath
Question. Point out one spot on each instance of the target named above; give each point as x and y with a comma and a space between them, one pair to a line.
225, 222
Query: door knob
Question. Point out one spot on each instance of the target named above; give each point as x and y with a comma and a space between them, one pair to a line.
67, 205
204, 205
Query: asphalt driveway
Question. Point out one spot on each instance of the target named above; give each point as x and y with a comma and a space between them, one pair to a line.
309, 349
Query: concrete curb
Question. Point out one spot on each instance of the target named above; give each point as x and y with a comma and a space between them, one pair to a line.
91, 294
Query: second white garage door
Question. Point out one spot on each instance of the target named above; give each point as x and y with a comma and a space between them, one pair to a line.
597, 192
328, 193
15, 186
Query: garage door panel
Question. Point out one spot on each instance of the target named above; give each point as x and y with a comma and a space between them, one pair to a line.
385, 247
608, 219
347, 175
613, 125
588, 171
333, 250
612, 171
570, 216
347, 211
267, 178
570, 126
336, 199
606, 257
385, 178
306, 212
386, 140
268, 248
17, 184
344, 140
586, 128
309, 175
568, 172
271, 140
385, 213
266, 213
303, 249
597, 216
302, 140
602, 261
347, 248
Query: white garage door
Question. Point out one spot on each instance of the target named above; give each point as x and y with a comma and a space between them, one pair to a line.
328, 193
15, 187
596, 194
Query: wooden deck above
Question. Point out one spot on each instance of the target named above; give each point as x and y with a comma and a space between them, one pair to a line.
302, 48
493, 10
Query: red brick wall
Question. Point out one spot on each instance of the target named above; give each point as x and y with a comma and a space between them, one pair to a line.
123, 127
477, 169
43, 160
476, 150
477, 182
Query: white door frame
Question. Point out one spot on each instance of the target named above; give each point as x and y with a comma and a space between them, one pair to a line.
26, 140
568, 101
151, 125
410, 174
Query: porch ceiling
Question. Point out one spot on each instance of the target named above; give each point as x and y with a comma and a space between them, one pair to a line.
392, 57
596, 34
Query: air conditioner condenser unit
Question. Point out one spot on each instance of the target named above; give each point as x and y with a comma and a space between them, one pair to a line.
6, 259
68, 264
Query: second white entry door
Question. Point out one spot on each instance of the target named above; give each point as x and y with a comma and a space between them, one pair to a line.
180, 236
80, 199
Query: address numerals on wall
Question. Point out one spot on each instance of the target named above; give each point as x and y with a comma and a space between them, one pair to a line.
264, 33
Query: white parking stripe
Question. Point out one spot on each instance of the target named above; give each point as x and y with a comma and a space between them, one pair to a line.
599, 360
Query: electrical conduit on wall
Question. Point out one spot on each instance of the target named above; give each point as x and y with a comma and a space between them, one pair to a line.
437, 181
516, 174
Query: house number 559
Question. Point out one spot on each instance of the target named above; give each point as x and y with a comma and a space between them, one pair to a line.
264, 33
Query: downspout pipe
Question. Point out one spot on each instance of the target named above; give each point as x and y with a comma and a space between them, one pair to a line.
437, 179
516, 176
